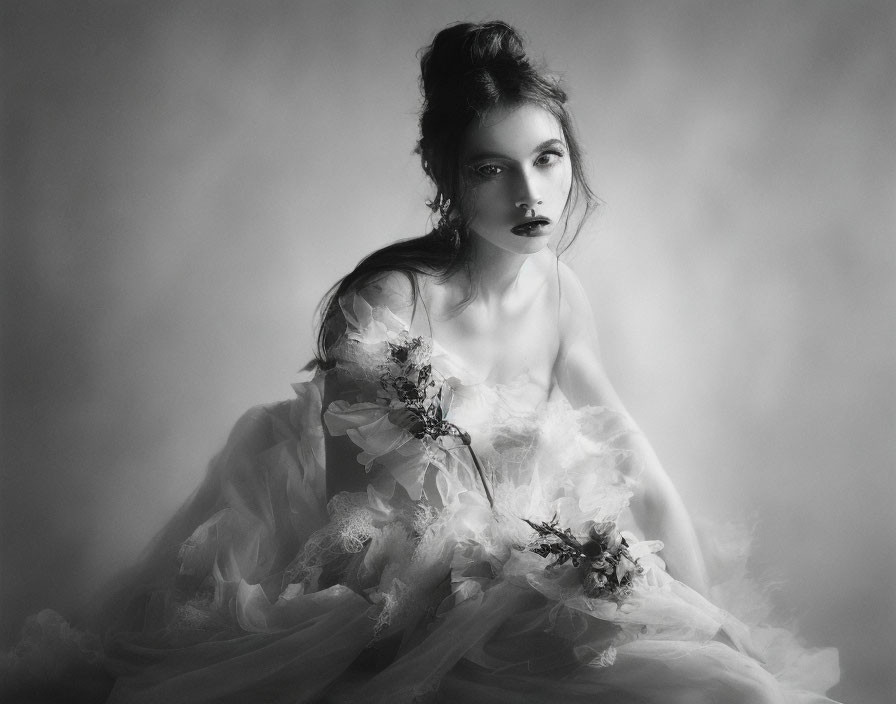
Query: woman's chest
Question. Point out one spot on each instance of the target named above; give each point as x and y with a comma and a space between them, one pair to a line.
501, 349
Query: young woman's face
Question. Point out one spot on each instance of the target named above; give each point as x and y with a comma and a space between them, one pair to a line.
517, 174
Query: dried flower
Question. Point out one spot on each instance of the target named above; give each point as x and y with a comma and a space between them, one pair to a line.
607, 565
421, 403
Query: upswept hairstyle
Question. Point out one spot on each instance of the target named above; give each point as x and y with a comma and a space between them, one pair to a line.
468, 70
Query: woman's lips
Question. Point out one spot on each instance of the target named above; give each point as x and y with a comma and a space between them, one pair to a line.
531, 228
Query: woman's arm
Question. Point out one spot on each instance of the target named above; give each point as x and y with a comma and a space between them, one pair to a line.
391, 290
656, 506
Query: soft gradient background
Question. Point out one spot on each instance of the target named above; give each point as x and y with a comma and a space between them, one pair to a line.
181, 183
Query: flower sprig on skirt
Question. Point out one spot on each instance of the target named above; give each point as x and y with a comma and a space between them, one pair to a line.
422, 402
607, 565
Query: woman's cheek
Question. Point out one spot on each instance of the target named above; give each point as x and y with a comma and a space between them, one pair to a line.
486, 204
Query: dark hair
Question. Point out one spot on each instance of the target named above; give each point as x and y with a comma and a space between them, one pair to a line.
468, 70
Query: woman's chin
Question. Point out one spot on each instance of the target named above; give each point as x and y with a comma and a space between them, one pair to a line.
517, 244
531, 244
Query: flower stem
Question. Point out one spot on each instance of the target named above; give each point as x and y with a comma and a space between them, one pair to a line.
488, 494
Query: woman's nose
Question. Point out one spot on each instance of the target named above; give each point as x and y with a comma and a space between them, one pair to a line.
528, 198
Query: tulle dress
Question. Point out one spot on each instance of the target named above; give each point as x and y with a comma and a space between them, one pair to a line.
431, 581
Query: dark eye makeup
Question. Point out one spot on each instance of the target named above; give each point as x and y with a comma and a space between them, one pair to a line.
546, 158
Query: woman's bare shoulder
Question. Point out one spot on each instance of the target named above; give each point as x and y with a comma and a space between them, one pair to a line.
573, 298
577, 322
388, 288
402, 293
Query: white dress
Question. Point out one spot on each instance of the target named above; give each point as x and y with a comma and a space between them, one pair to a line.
415, 587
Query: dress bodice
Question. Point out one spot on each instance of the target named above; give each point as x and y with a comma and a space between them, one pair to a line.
535, 450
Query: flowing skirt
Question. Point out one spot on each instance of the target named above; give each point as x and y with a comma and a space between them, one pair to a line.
262, 590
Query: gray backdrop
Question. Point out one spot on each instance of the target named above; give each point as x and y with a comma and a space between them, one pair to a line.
182, 181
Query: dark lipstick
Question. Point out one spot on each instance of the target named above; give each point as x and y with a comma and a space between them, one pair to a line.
531, 227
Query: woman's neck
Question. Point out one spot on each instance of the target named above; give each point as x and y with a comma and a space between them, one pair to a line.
494, 271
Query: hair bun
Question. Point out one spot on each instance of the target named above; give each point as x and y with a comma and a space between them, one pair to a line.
496, 42
464, 49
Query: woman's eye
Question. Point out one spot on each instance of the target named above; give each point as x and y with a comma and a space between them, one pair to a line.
548, 158
488, 170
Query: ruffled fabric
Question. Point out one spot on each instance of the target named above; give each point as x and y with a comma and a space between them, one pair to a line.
417, 588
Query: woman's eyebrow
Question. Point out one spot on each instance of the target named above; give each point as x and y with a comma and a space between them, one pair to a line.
484, 156
547, 144
553, 142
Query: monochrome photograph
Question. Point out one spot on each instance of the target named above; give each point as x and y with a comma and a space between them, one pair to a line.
448, 352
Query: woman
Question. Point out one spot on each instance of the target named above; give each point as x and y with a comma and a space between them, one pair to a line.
456, 507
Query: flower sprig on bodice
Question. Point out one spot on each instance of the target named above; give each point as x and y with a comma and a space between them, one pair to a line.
408, 378
412, 384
